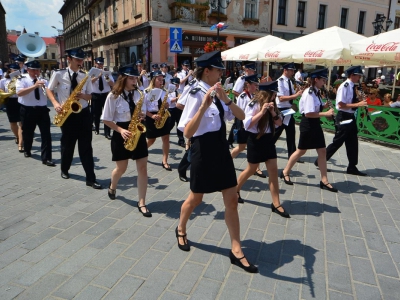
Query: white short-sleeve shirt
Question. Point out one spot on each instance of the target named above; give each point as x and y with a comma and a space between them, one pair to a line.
239, 85
183, 98
24, 82
182, 74
344, 94
243, 99
211, 120
62, 80
116, 109
283, 90
250, 111
152, 104
309, 103
106, 86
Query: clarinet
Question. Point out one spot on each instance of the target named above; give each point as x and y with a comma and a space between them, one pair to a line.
330, 106
364, 98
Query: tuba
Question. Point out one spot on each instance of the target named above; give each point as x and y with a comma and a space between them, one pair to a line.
163, 113
136, 128
12, 90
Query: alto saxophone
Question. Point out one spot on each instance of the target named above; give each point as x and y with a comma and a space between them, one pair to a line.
136, 128
163, 113
72, 105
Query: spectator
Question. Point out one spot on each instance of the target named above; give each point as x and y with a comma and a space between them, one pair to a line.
387, 100
372, 99
397, 103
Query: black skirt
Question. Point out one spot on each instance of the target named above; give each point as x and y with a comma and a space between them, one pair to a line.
118, 150
311, 134
262, 149
152, 132
212, 166
13, 110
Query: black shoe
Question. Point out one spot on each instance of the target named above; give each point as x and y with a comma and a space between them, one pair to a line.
166, 166
27, 154
145, 214
182, 143
185, 246
352, 172
96, 132
21, 149
259, 173
316, 163
325, 186
94, 184
108, 137
237, 261
111, 193
231, 146
300, 161
64, 175
283, 214
289, 182
183, 178
93, 128
240, 199
49, 163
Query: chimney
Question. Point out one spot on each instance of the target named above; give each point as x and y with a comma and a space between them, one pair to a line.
37, 33
18, 32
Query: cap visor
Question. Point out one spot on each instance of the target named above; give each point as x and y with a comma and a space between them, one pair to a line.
221, 66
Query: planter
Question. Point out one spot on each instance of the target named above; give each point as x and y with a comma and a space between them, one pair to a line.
214, 15
250, 21
114, 24
188, 12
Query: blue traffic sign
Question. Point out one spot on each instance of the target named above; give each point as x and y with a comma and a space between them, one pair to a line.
175, 39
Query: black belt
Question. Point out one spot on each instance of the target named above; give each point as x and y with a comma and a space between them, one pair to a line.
154, 113
34, 107
101, 93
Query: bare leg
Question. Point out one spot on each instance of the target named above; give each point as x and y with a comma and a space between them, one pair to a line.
193, 200
165, 148
118, 172
292, 160
141, 166
20, 138
150, 142
232, 222
323, 166
14, 129
246, 174
239, 148
272, 167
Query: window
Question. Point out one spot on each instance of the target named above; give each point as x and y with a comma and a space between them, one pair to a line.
282, 12
250, 11
106, 17
123, 10
45, 55
378, 30
114, 8
397, 22
343, 17
361, 22
321, 16
301, 12
53, 55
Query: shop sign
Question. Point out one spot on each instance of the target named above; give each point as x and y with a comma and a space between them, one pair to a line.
200, 38
239, 41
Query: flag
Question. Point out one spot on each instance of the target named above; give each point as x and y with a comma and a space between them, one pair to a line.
166, 41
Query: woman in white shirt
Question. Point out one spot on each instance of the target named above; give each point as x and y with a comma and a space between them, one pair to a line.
262, 117
311, 134
212, 168
175, 111
152, 108
117, 114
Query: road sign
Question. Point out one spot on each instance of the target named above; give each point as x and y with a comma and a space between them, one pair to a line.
175, 39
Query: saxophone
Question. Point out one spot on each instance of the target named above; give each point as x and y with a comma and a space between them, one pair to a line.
163, 112
136, 128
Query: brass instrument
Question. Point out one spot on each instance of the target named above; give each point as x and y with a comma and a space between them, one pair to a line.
43, 88
12, 90
72, 105
330, 106
136, 128
163, 113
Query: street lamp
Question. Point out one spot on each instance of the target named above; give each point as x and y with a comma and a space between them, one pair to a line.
216, 5
378, 24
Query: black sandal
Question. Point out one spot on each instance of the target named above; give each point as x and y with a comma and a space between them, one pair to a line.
21, 149
166, 166
16, 140
147, 213
185, 246
111, 193
259, 173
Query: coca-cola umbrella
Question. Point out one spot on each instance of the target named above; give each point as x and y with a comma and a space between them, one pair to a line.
249, 51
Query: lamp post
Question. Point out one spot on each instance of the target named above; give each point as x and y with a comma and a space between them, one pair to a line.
217, 4
378, 24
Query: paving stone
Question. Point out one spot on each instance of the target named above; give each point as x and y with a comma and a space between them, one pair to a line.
186, 278
286, 290
106, 256
105, 239
314, 286
91, 293
361, 270
140, 247
375, 242
173, 296
13, 270
236, 286
43, 287
75, 230
206, 290
101, 226
114, 272
154, 286
13, 229
147, 264
384, 264
125, 288
356, 247
389, 287
395, 251
43, 250
40, 238
339, 278
11, 292
367, 292
74, 245
77, 261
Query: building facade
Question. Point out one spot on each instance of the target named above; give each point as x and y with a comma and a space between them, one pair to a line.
3, 35
76, 21
394, 14
292, 18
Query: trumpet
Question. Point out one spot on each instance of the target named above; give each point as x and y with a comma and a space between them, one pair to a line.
42, 87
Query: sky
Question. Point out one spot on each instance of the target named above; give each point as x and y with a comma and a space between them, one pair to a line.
34, 15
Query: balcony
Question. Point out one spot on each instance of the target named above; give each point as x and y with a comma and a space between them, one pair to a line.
187, 12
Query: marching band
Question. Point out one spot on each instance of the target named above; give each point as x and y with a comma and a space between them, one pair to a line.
140, 107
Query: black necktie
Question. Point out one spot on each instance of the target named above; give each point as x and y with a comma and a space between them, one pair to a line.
290, 91
222, 129
131, 102
74, 82
37, 95
101, 85
355, 99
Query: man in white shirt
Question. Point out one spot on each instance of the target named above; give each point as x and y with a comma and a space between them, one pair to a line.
34, 111
144, 79
185, 75
78, 126
101, 86
298, 77
249, 69
167, 76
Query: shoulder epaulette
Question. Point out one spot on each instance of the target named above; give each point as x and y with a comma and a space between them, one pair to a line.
280, 78
310, 90
60, 70
251, 104
193, 81
146, 91
194, 91
242, 95
346, 84
20, 77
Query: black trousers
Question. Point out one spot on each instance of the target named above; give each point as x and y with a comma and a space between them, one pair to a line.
78, 127
346, 134
97, 103
30, 117
290, 130
176, 114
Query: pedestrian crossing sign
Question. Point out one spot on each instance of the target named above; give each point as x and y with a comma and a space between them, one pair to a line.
175, 36
176, 46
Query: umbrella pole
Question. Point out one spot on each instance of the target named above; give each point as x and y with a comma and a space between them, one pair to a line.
394, 81
329, 77
267, 69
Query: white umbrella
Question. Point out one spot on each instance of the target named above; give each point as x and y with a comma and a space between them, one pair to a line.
249, 51
328, 47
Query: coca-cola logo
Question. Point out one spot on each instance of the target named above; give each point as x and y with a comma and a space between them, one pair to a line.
274, 54
317, 53
342, 61
244, 56
391, 46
